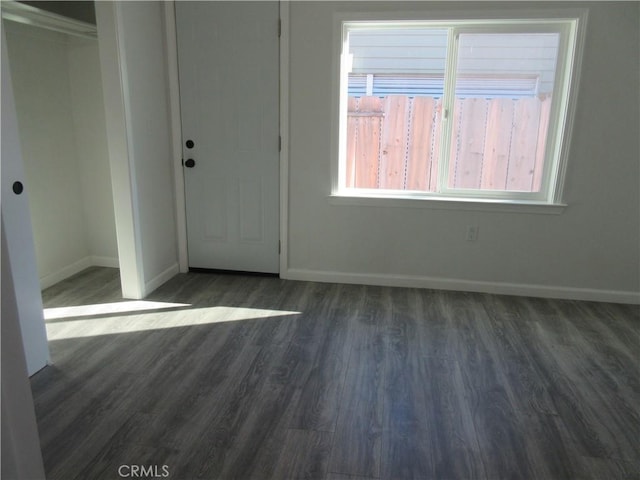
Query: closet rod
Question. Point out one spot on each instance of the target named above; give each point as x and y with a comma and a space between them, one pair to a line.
21, 13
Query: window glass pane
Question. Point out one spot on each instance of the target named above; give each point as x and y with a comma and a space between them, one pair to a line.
395, 89
504, 83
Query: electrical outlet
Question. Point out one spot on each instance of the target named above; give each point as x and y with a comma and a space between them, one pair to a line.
472, 233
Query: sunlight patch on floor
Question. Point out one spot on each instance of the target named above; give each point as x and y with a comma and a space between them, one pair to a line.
157, 321
107, 308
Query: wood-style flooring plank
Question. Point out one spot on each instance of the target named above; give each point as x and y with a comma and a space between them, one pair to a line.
408, 443
495, 416
304, 455
529, 388
320, 397
340, 476
357, 439
91, 286
258, 443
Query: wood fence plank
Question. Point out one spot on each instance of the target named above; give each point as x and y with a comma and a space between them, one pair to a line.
497, 144
455, 137
394, 138
472, 130
368, 147
545, 110
420, 136
435, 146
352, 125
523, 145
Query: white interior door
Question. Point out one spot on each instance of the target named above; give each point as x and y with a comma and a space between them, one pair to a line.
16, 225
229, 66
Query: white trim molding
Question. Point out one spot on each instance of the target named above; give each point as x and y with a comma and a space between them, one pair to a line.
65, 272
176, 133
76, 267
118, 121
284, 135
161, 278
29, 15
111, 262
448, 203
479, 286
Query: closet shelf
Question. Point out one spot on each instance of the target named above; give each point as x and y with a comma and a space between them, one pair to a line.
21, 13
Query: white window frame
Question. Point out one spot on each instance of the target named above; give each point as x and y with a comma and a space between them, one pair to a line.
570, 25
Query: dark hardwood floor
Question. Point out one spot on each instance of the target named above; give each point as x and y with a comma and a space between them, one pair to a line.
260, 378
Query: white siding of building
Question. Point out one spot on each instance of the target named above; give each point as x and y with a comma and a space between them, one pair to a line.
423, 51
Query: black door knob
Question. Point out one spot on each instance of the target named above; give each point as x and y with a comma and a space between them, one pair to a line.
189, 143
190, 163
17, 188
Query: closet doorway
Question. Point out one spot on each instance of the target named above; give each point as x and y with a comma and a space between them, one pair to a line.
56, 76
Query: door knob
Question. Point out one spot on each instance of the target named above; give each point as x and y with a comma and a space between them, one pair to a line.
189, 144
190, 163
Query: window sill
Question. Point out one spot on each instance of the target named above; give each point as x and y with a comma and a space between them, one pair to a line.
448, 203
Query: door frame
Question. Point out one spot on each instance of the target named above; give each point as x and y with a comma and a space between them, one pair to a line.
176, 125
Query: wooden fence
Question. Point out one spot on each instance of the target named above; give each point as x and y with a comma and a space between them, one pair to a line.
497, 144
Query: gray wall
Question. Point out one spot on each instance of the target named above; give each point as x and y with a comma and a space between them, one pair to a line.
591, 248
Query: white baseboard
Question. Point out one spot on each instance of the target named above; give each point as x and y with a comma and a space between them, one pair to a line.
501, 288
161, 278
111, 262
64, 272
77, 267
98, 261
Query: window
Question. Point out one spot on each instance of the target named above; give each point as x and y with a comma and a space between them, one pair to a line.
470, 109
